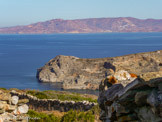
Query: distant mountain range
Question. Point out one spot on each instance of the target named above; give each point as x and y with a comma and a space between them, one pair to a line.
93, 25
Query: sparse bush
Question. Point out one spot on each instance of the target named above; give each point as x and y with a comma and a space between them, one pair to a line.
38, 94
3, 89
59, 95
70, 116
41, 117
76, 116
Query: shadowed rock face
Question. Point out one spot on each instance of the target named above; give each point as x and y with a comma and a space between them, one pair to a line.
76, 73
139, 100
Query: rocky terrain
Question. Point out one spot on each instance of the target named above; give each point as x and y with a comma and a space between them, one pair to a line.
135, 100
77, 73
20, 106
94, 25
11, 108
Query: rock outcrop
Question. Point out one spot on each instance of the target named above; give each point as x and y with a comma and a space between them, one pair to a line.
138, 101
12, 109
77, 73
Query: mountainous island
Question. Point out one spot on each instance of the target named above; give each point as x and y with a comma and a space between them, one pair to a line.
92, 25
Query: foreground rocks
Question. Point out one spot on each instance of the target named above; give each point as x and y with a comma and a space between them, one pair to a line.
76, 73
138, 101
11, 109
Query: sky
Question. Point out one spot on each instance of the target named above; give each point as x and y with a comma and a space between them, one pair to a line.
23, 12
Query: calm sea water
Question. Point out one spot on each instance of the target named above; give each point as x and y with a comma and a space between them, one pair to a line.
21, 55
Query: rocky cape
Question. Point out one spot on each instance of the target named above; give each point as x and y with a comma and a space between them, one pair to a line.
77, 73
92, 25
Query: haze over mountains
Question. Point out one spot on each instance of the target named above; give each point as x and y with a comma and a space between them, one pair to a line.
93, 25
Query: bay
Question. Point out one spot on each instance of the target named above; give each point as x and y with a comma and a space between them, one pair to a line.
22, 55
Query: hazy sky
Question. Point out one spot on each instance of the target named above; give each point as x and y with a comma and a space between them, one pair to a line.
22, 12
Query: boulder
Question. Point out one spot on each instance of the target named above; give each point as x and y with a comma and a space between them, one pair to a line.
9, 108
138, 101
5, 97
14, 100
23, 109
23, 101
145, 114
141, 97
112, 93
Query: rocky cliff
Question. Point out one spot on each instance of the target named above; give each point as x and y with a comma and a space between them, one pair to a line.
137, 101
77, 73
93, 25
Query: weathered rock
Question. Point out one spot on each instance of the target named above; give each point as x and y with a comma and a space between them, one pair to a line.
2, 103
119, 109
5, 97
23, 101
155, 82
133, 85
8, 105
23, 109
141, 97
145, 114
9, 108
122, 75
2, 111
152, 99
128, 118
138, 101
160, 87
1, 91
112, 93
76, 73
14, 100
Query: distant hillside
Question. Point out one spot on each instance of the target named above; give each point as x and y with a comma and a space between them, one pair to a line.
94, 25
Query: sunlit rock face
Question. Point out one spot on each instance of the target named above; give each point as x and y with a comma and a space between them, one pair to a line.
77, 73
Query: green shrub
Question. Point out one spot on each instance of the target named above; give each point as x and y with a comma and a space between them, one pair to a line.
3, 89
41, 117
71, 116
60, 95
38, 94
76, 116
31, 92
41, 95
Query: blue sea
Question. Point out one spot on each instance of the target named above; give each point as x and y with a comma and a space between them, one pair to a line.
22, 55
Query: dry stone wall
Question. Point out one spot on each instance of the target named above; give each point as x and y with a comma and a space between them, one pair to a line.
53, 104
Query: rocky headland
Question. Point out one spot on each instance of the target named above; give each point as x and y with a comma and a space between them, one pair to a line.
77, 73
